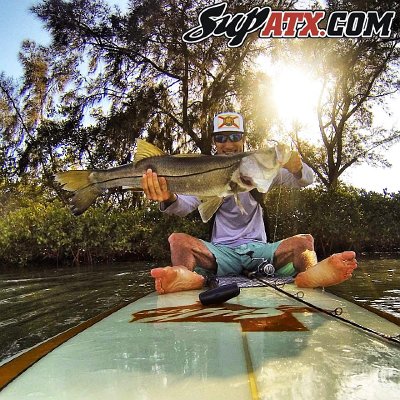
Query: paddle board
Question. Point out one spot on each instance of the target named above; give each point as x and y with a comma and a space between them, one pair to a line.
261, 344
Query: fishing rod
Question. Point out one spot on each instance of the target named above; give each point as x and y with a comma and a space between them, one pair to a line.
336, 313
221, 293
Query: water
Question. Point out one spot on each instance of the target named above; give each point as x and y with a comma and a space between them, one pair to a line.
38, 304
376, 283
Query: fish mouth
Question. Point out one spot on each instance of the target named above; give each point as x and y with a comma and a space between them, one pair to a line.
247, 181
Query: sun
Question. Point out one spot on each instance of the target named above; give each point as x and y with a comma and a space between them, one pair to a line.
295, 93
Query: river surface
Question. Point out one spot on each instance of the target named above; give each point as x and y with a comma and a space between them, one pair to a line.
36, 304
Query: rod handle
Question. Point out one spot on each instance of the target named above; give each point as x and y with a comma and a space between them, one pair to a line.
219, 294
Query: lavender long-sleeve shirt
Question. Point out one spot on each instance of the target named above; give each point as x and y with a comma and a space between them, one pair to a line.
231, 227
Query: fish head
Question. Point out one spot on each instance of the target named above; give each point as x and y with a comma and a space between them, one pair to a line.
258, 169
272, 156
283, 153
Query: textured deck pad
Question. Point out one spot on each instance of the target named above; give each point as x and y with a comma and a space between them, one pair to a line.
244, 282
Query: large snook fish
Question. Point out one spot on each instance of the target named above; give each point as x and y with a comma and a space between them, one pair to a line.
210, 178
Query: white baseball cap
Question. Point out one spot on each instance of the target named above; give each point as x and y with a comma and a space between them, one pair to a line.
228, 122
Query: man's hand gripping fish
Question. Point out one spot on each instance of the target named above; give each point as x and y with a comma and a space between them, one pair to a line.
210, 178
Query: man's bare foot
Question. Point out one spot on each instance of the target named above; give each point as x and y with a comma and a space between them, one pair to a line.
331, 271
176, 279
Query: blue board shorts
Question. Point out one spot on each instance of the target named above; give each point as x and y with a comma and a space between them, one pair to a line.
248, 256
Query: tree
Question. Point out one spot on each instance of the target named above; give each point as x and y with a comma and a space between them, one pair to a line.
356, 74
138, 65
26, 109
109, 77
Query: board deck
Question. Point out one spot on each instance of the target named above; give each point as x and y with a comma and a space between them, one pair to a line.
259, 345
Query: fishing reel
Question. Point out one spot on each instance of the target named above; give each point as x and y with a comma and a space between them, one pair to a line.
264, 268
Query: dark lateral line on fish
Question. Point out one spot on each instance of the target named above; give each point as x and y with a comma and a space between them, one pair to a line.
161, 176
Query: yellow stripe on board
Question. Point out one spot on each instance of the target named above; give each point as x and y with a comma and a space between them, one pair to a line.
250, 372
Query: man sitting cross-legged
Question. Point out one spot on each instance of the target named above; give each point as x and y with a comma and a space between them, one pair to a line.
238, 238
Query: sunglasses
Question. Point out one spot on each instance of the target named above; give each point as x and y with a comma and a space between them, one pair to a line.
233, 137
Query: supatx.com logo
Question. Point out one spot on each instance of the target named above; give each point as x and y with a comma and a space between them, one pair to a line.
251, 319
215, 21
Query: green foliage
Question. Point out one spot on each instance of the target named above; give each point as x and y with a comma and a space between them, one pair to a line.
379, 228
36, 229
137, 63
47, 231
346, 218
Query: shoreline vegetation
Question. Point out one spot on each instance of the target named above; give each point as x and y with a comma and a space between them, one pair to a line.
37, 228
111, 75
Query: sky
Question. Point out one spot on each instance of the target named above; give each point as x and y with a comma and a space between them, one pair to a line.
17, 23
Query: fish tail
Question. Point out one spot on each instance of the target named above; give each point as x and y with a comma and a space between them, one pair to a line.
74, 180
84, 187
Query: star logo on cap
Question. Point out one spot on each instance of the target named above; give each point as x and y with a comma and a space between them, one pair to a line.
228, 120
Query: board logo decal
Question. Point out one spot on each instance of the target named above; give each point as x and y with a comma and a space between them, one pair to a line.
251, 319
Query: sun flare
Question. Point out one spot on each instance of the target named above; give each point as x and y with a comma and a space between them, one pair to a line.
295, 93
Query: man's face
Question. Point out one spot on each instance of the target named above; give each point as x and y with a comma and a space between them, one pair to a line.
227, 143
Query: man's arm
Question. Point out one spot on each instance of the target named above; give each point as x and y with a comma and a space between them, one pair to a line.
295, 173
156, 189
